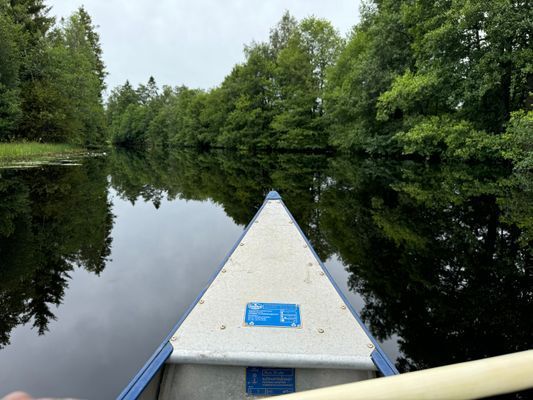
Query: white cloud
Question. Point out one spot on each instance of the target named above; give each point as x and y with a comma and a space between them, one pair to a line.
193, 42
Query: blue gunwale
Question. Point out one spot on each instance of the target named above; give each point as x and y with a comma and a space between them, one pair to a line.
158, 358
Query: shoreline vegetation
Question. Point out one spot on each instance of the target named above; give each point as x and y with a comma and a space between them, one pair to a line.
51, 76
442, 81
29, 151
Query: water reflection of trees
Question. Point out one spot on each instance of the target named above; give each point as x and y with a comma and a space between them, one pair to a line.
235, 181
438, 255
51, 220
441, 255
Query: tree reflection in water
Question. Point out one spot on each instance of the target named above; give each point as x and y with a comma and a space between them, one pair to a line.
52, 219
442, 255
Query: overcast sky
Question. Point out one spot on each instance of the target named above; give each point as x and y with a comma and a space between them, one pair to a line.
191, 42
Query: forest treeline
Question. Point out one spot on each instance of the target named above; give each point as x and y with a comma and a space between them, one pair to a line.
273, 100
444, 79
441, 79
51, 76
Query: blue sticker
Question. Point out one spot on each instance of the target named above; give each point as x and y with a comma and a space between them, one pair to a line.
273, 314
270, 381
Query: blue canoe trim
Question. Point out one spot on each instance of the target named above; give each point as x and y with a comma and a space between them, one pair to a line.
147, 372
156, 361
383, 363
380, 359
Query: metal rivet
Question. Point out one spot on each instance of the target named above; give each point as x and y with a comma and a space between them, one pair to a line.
305, 246
256, 221
321, 273
241, 244
174, 338
201, 302
223, 271
222, 327
370, 345
290, 222
343, 307
310, 264
320, 330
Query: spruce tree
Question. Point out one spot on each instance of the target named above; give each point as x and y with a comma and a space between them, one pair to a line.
33, 16
93, 39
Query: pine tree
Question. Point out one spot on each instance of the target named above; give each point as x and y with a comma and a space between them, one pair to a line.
94, 40
280, 34
10, 62
33, 16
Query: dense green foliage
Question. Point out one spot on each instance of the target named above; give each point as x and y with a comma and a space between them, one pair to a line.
445, 79
274, 100
518, 140
435, 79
51, 76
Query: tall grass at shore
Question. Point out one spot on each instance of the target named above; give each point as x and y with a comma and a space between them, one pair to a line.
28, 150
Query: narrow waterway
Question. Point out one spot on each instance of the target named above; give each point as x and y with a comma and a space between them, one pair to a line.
99, 260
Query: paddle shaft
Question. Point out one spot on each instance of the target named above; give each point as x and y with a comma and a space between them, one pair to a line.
468, 380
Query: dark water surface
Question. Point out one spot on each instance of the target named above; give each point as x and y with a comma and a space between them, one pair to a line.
98, 261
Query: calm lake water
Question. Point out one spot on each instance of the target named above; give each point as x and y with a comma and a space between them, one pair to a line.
99, 260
